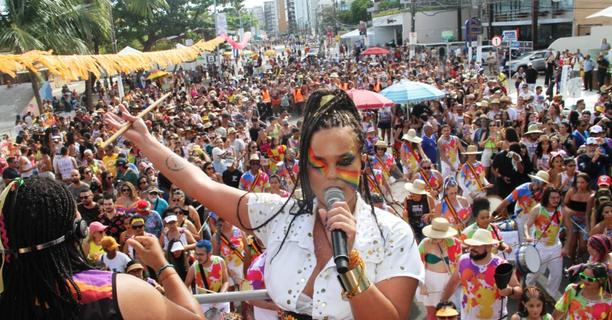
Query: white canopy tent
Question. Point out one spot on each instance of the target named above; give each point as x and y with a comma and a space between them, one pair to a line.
354, 34
129, 50
607, 12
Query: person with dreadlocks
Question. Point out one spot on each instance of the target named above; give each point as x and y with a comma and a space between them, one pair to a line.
301, 278
47, 276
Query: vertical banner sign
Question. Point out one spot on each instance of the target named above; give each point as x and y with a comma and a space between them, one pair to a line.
221, 23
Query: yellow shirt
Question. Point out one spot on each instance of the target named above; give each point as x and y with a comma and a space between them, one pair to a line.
109, 163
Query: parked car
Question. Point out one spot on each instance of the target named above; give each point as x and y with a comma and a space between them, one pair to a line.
537, 58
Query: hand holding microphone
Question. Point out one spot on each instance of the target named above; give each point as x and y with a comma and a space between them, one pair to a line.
339, 220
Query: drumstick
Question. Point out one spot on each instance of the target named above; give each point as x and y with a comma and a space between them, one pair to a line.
127, 125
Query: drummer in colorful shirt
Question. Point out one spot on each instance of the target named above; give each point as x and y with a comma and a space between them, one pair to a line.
452, 206
475, 273
481, 211
432, 177
449, 147
411, 153
526, 196
255, 179
288, 170
547, 217
208, 274
472, 175
384, 161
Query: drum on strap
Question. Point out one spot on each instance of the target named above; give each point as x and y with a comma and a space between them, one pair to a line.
528, 259
506, 225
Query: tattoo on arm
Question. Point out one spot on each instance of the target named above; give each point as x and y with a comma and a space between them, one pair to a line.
173, 162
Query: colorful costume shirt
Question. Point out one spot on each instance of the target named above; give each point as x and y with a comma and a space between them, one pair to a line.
472, 179
410, 158
480, 297
577, 307
254, 183
547, 226
288, 173
232, 250
455, 215
210, 277
384, 163
524, 198
453, 252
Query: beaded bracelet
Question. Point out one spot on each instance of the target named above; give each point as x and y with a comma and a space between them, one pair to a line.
163, 268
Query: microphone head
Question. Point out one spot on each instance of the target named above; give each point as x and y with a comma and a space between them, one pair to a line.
333, 195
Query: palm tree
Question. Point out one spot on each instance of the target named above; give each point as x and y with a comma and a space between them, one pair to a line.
58, 25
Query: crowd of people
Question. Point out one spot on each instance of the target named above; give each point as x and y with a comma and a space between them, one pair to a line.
485, 175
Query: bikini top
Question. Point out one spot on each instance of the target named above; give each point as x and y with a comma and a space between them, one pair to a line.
433, 259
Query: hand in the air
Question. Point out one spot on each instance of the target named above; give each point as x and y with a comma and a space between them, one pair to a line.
136, 133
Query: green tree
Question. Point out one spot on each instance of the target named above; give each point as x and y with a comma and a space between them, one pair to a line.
169, 22
59, 25
359, 11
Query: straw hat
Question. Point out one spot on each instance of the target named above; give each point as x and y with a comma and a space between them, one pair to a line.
416, 187
541, 175
472, 149
534, 128
134, 266
439, 229
482, 103
380, 143
254, 157
412, 136
481, 237
447, 311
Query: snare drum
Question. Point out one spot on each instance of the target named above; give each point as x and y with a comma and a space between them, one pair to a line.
506, 225
528, 259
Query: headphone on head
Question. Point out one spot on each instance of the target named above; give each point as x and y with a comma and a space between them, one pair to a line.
80, 230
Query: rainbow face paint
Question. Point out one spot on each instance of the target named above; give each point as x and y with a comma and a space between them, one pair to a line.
350, 177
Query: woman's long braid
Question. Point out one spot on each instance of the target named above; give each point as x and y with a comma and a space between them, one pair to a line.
42, 210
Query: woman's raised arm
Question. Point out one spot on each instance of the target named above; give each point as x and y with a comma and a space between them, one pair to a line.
218, 197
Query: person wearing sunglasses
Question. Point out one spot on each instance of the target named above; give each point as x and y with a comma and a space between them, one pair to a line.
127, 196
432, 178
137, 224
588, 299
178, 199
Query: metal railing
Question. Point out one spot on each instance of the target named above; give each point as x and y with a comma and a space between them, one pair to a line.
232, 296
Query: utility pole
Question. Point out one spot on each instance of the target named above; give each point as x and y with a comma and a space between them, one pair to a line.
413, 16
459, 22
535, 4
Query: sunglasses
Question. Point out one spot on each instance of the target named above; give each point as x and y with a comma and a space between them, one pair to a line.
140, 226
255, 163
87, 171
153, 193
125, 190
177, 199
586, 278
178, 212
426, 168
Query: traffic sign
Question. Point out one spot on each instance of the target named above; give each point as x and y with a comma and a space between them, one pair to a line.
496, 41
510, 35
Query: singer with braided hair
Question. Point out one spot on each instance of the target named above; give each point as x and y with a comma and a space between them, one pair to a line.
383, 260
46, 274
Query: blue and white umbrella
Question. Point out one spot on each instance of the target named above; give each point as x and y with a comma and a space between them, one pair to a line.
412, 92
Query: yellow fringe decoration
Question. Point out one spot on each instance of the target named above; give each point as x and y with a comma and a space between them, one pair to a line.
77, 67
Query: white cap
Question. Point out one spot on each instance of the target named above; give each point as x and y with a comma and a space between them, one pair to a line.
591, 140
177, 246
170, 218
596, 129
